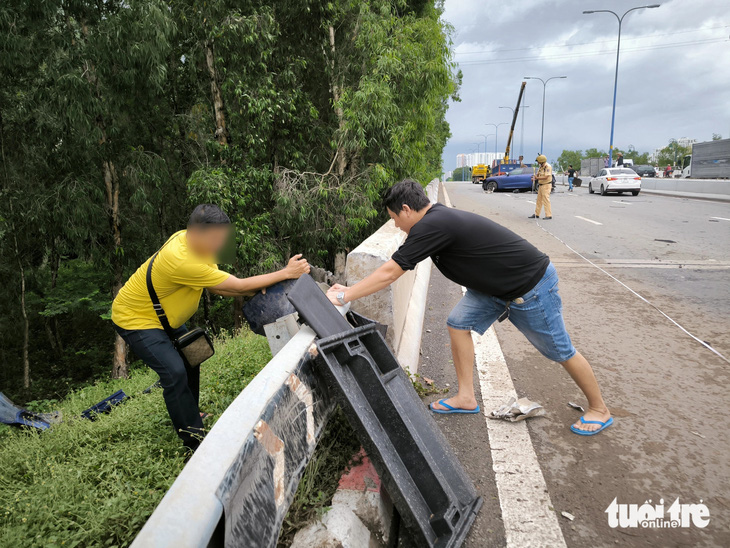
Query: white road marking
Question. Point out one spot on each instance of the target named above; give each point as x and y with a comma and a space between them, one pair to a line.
523, 495
531, 202
720, 218
588, 220
622, 202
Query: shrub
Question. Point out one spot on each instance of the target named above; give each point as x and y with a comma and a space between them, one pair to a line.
85, 483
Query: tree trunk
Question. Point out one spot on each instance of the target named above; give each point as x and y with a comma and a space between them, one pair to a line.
120, 368
223, 137
111, 186
336, 95
24, 313
221, 131
26, 332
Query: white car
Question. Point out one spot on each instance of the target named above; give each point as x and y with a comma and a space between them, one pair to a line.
615, 179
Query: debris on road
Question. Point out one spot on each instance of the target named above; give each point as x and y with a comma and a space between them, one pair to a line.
576, 406
697, 434
517, 410
568, 515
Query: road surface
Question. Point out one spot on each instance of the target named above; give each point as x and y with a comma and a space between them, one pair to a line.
640, 276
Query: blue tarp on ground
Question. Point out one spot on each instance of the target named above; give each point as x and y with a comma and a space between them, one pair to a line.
105, 405
17, 416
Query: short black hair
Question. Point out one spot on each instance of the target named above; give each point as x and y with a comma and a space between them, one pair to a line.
570, 165
407, 192
208, 214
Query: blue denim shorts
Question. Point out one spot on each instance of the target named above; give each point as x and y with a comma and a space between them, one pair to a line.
539, 317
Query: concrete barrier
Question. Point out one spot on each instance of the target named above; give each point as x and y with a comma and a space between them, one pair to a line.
238, 486
402, 305
708, 189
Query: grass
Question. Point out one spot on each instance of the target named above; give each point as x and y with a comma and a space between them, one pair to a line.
86, 483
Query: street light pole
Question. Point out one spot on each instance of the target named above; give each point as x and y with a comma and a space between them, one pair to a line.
485, 144
618, 52
544, 86
496, 134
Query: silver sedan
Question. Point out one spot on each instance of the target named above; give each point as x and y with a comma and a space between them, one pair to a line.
615, 179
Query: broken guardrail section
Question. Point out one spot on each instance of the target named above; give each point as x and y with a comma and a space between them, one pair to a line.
428, 486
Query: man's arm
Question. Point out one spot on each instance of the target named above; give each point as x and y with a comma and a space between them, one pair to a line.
380, 279
236, 287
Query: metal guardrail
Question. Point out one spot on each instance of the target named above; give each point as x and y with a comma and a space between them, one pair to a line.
237, 487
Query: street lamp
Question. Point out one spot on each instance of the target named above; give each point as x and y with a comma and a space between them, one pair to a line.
618, 51
496, 133
485, 143
523, 118
544, 85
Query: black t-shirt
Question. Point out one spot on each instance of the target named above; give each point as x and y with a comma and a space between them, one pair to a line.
620, 161
571, 172
475, 252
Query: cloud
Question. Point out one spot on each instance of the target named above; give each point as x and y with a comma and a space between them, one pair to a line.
673, 77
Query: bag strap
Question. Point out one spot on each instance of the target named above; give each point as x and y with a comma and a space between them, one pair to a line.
156, 301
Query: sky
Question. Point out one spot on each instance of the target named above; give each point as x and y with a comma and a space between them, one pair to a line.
674, 73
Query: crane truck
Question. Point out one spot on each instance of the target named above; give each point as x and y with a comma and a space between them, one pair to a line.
503, 166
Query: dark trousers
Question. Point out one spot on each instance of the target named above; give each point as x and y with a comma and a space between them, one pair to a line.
180, 384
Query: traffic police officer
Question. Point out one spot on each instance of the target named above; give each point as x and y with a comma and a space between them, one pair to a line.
544, 180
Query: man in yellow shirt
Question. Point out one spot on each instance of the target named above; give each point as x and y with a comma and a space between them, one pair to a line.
544, 180
184, 266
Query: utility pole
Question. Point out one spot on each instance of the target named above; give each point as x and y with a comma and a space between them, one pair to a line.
618, 51
544, 85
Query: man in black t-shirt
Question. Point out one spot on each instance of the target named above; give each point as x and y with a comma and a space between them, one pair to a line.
506, 278
571, 177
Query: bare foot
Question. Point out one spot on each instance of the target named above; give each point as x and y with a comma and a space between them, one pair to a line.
593, 415
457, 402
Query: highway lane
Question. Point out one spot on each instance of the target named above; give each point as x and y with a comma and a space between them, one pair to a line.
666, 391
674, 251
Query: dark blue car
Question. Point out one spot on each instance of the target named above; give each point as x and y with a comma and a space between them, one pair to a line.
517, 179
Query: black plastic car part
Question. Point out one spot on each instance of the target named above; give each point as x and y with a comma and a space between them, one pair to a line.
265, 308
425, 480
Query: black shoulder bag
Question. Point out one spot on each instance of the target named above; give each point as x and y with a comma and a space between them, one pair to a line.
194, 346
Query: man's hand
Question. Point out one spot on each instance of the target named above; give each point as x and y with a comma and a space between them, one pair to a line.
333, 291
296, 267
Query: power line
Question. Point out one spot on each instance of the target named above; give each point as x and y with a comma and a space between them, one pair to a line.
589, 54
648, 36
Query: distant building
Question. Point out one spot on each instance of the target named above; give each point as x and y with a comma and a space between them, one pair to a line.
475, 158
686, 142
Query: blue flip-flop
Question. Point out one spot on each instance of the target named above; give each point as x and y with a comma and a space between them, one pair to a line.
450, 409
580, 432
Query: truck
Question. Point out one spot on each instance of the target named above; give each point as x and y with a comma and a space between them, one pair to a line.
591, 166
709, 160
480, 172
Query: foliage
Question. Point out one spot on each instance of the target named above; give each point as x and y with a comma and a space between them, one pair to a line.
716, 136
335, 451
672, 154
574, 157
430, 387
117, 117
461, 174
88, 483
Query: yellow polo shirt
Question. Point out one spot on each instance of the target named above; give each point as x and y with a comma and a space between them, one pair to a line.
179, 277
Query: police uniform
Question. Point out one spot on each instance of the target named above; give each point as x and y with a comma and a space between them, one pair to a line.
544, 180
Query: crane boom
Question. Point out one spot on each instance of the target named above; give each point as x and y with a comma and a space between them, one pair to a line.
514, 121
